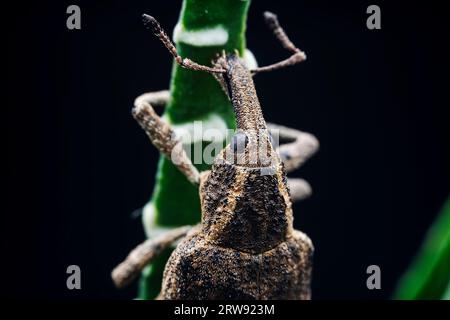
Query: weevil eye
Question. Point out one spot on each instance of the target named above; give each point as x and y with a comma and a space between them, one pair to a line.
239, 142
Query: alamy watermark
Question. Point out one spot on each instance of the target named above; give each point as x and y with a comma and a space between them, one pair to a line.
74, 279
73, 21
374, 20
374, 280
242, 147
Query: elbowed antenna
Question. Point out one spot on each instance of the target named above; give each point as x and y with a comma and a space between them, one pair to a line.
297, 54
158, 31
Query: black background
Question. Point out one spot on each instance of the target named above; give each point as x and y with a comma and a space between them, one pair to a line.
78, 164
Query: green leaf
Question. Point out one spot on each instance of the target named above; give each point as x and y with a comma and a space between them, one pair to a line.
429, 275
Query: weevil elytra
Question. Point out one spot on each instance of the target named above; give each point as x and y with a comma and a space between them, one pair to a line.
245, 246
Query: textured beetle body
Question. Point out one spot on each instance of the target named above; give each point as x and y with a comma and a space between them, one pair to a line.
245, 247
198, 269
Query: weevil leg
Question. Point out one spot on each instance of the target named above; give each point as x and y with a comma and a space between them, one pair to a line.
143, 254
297, 54
161, 134
159, 32
300, 189
301, 146
155, 98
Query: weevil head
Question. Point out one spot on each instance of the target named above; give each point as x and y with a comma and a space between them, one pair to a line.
245, 200
245, 209
251, 146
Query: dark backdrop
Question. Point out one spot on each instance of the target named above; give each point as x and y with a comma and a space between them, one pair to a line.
79, 165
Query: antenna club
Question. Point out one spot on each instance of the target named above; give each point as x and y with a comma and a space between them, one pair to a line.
151, 23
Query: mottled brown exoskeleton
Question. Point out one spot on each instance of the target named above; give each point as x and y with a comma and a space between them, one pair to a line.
246, 246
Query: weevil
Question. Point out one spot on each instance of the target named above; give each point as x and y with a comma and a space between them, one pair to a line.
245, 246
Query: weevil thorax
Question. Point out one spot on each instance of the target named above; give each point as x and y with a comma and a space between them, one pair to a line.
245, 199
